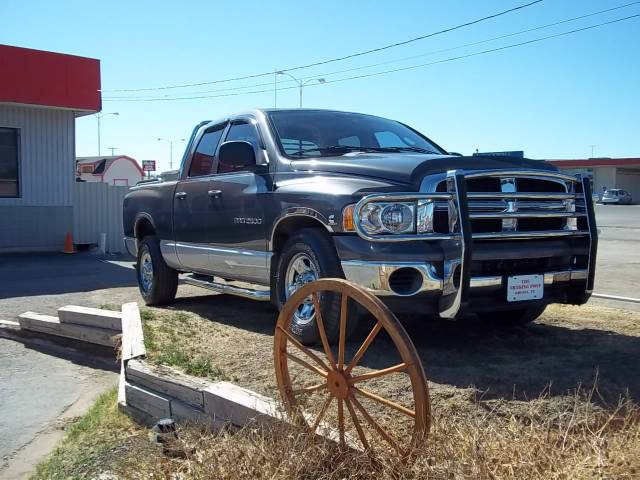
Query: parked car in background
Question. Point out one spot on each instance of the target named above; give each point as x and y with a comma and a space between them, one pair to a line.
616, 196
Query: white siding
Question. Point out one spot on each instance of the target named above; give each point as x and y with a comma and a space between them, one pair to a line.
98, 209
47, 155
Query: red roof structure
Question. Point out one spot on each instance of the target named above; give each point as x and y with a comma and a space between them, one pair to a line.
36, 77
596, 162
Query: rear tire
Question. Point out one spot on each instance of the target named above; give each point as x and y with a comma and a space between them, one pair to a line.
511, 318
158, 282
308, 256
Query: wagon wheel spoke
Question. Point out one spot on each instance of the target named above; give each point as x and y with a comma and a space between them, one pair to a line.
323, 410
323, 332
385, 401
379, 373
304, 349
344, 305
356, 423
310, 388
341, 421
308, 366
381, 431
363, 348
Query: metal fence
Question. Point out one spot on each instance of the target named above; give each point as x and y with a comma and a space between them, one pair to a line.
97, 209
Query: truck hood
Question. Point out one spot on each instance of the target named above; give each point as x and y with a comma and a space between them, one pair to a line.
410, 168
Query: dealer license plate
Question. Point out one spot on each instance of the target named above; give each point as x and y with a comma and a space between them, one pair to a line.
525, 287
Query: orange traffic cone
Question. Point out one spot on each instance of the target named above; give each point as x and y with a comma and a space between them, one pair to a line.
68, 244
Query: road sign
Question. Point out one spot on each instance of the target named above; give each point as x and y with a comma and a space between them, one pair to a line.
148, 165
515, 153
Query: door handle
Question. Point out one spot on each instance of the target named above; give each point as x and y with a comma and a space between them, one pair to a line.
181, 195
215, 193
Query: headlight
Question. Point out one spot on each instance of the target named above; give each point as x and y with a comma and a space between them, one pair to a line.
379, 217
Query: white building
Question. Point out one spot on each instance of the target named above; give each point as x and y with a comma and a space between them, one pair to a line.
117, 170
41, 95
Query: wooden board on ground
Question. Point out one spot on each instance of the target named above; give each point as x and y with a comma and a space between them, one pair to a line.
184, 413
92, 317
156, 406
132, 336
237, 405
166, 380
51, 325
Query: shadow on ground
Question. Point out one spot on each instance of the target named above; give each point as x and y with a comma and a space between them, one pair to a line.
519, 363
28, 275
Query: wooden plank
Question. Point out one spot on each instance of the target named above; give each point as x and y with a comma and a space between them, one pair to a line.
155, 405
132, 336
52, 326
233, 404
184, 413
92, 317
143, 418
166, 380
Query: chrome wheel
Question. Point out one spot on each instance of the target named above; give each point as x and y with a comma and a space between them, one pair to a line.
301, 270
146, 271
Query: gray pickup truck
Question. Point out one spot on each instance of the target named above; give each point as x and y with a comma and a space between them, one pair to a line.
268, 200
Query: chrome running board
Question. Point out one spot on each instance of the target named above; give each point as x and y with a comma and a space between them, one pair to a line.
252, 293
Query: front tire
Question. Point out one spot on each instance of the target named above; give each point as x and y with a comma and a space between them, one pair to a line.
308, 256
512, 318
157, 281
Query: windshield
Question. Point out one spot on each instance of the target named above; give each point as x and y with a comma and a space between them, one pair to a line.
309, 133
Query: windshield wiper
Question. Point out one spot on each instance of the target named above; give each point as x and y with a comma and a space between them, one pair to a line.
405, 149
332, 149
342, 149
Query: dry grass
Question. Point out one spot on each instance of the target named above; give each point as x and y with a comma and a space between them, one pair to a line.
494, 443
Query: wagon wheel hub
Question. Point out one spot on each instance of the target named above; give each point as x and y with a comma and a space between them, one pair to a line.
338, 384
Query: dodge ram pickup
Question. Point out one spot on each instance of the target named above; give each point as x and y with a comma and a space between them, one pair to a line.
268, 200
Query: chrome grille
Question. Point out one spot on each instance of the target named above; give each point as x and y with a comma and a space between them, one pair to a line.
502, 204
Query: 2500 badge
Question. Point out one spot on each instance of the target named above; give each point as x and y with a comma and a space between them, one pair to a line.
248, 220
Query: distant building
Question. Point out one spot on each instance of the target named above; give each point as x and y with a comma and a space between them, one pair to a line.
113, 170
606, 173
41, 95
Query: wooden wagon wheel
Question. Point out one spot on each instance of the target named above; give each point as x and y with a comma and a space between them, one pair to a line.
335, 379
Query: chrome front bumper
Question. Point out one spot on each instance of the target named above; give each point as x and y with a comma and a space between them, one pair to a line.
374, 276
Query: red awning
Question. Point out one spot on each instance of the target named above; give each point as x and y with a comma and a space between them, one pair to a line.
36, 77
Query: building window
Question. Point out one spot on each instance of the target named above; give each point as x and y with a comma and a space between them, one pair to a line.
86, 168
9, 141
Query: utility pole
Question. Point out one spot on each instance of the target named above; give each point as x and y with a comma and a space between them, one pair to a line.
592, 150
99, 116
170, 142
113, 149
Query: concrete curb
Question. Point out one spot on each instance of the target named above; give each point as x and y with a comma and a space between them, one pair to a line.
616, 298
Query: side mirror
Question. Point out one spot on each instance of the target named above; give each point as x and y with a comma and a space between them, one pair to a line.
237, 154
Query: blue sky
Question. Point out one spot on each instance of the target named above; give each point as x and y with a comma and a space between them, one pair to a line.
552, 99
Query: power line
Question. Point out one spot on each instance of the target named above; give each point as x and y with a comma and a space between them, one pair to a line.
433, 52
337, 59
450, 59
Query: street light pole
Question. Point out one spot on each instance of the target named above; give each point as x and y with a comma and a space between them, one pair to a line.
99, 116
300, 83
171, 142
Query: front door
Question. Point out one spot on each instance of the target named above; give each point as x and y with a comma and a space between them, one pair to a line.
193, 208
238, 235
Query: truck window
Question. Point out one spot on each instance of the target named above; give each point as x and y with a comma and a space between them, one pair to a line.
240, 131
203, 159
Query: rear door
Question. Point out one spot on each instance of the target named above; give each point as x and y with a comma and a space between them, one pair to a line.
193, 212
238, 232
